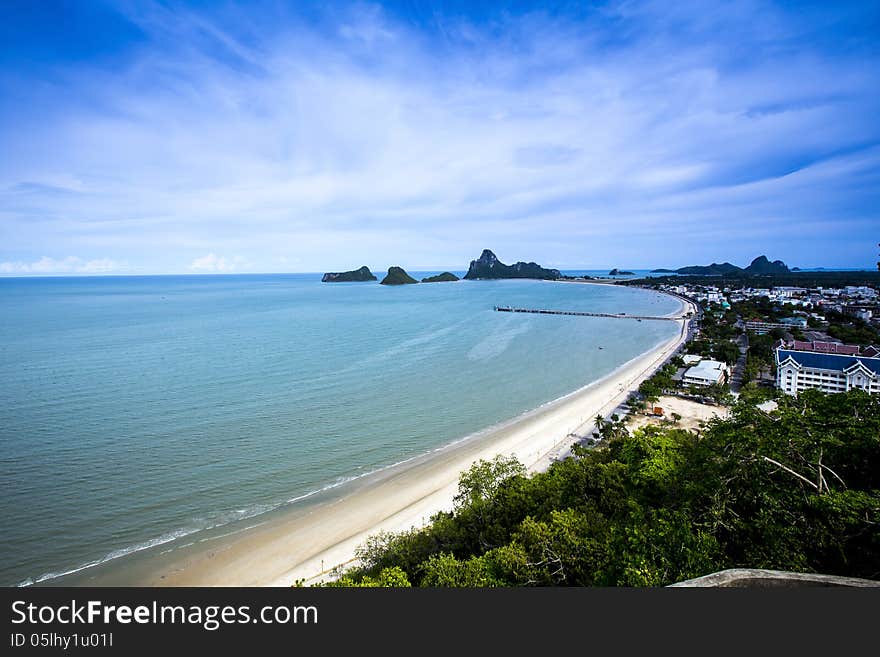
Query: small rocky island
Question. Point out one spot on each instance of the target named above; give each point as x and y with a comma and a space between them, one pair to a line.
356, 276
488, 266
445, 277
617, 272
397, 276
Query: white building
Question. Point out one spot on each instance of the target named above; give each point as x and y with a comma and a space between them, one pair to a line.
860, 291
760, 328
799, 370
788, 292
706, 373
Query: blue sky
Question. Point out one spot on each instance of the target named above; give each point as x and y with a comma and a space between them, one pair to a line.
172, 137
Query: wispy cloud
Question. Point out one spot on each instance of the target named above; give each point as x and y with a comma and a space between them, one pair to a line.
659, 133
68, 265
212, 263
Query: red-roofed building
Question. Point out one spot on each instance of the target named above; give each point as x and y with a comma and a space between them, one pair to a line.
826, 347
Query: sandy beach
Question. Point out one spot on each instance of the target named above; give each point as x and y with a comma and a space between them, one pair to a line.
310, 543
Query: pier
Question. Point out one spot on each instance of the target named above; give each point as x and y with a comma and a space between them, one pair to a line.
544, 311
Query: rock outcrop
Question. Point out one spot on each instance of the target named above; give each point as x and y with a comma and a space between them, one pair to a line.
358, 275
397, 276
755, 578
488, 266
761, 265
445, 277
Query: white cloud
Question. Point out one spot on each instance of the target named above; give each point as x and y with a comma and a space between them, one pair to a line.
217, 264
373, 139
68, 265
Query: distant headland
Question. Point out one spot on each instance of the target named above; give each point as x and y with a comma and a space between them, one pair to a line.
760, 266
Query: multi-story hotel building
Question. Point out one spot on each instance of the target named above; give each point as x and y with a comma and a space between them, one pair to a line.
799, 370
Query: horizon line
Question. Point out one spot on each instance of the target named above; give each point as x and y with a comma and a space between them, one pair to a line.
428, 270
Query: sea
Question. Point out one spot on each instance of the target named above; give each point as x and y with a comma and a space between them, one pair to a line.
138, 411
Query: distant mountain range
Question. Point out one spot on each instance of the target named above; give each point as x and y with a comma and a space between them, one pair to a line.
760, 266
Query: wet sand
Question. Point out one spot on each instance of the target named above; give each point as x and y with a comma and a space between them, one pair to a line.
307, 542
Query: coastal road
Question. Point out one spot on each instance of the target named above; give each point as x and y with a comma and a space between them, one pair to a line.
617, 404
739, 367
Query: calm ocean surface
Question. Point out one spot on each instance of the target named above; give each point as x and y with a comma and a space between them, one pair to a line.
134, 410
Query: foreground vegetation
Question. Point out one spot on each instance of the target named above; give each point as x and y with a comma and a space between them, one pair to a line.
797, 489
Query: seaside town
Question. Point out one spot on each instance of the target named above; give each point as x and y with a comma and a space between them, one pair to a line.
824, 338
756, 342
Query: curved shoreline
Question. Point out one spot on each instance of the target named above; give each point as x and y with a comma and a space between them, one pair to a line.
307, 543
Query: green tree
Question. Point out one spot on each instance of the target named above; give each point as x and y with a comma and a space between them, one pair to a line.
483, 478
387, 578
797, 488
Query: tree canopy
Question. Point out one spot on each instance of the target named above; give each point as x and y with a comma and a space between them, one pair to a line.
796, 489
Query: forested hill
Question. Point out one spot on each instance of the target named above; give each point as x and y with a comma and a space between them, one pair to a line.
797, 489
809, 279
759, 266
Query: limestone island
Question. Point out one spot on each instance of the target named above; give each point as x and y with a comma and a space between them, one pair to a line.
617, 272
488, 266
356, 276
445, 277
397, 276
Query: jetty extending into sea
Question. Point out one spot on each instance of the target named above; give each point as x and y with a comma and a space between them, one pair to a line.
544, 311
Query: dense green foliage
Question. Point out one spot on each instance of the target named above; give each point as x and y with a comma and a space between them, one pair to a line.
761, 348
652, 387
717, 330
851, 330
719, 324
760, 309
760, 357
797, 489
720, 350
808, 279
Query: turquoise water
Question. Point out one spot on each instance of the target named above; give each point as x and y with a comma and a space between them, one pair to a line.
134, 410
